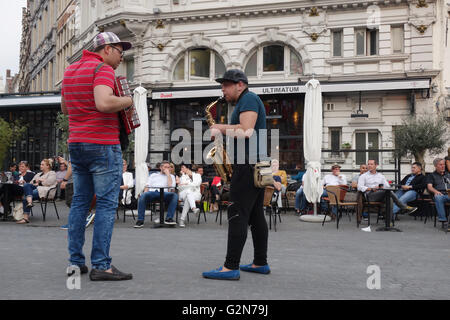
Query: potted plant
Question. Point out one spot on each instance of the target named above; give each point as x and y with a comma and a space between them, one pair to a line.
346, 146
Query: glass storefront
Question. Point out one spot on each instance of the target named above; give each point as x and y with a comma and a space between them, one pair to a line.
283, 112
39, 140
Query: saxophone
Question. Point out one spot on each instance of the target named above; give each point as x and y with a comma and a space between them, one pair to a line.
218, 154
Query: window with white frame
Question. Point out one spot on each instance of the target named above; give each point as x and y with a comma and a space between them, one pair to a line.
129, 66
199, 64
337, 43
365, 140
273, 59
397, 38
366, 42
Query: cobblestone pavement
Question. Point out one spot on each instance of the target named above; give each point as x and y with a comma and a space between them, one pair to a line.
308, 261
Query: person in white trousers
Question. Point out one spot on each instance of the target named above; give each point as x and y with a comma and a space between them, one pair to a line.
127, 183
189, 187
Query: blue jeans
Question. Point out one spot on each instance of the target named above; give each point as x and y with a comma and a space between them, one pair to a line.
169, 197
29, 190
97, 169
440, 205
404, 197
300, 199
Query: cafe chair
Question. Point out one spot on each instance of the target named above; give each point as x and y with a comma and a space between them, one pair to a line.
44, 201
364, 205
126, 206
222, 204
336, 196
432, 209
271, 206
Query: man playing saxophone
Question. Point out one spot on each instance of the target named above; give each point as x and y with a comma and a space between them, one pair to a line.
246, 210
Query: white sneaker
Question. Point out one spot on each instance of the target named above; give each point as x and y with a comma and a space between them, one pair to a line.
90, 219
196, 210
157, 220
181, 224
2, 210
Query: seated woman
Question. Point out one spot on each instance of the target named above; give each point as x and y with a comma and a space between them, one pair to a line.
215, 193
16, 189
127, 183
283, 177
278, 187
13, 170
189, 188
38, 188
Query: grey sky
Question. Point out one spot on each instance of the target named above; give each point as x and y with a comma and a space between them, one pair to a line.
11, 34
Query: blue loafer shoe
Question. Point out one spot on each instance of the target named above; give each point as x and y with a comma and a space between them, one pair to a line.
248, 267
226, 275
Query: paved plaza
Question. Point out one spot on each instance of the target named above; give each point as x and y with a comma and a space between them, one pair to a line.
308, 261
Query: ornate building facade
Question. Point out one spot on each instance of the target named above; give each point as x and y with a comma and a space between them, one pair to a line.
387, 58
24, 81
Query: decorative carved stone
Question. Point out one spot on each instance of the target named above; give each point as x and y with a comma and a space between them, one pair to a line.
422, 4
421, 17
313, 12
314, 36
422, 28
234, 25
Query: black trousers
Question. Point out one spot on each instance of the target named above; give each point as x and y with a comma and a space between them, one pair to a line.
246, 210
214, 192
380, 196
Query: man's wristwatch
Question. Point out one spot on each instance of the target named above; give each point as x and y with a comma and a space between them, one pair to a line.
65, 180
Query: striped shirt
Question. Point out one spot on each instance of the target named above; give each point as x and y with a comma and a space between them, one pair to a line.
86, 123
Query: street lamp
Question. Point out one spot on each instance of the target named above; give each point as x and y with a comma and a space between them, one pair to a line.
359, 113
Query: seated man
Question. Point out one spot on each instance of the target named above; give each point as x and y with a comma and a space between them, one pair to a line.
362, 169
333, 179
162, 179
298, 177
300, 199
60, 175
438, 183
412, 185
370, 183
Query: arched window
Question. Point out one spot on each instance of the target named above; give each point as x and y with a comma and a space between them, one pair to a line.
274, 59
199, 64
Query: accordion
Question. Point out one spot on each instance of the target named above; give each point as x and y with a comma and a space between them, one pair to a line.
128, 116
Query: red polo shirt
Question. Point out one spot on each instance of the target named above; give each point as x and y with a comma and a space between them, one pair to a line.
86, 123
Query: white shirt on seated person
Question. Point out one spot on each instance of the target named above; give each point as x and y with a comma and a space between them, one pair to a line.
158, 180
371, 180
190, 185
333, 180
128, 181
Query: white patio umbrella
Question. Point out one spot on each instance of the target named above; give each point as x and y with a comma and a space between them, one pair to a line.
141, 140
312, 146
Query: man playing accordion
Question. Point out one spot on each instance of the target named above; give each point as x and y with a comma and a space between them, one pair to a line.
88, 98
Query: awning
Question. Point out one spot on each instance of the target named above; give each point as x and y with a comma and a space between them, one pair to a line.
30, 101
295, 88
